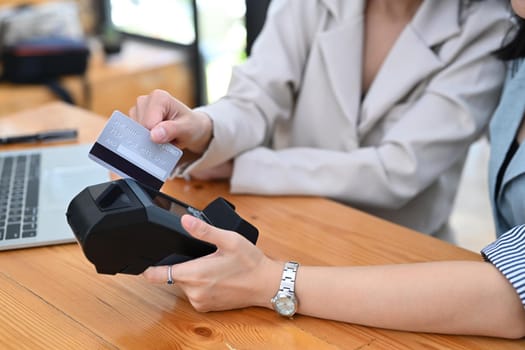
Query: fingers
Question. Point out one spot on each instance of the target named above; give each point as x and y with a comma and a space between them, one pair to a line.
182, 273
223, 239
199, 229
153, 108
159, 274
159, 105
172, 121
168, 131
188, 129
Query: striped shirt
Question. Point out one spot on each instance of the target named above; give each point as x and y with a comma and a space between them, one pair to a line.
507, 253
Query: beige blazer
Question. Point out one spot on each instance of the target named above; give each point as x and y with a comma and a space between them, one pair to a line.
295, 121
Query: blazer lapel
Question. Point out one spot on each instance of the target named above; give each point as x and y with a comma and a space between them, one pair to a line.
515, 168
410, 61
341, 50
504, 127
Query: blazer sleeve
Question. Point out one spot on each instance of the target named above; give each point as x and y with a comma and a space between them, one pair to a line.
507, 254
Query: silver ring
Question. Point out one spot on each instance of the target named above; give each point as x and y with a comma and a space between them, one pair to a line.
170, 279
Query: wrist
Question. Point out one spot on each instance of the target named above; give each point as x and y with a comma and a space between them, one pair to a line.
205, 133
271, 276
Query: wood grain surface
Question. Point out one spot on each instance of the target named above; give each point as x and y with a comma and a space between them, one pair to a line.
52, 297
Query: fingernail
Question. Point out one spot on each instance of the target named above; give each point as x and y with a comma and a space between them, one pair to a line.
158, 134
190, 221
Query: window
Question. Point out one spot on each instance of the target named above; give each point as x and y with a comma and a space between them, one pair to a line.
221, 36
167, 20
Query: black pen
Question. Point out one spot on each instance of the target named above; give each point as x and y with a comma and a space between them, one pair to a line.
50, 135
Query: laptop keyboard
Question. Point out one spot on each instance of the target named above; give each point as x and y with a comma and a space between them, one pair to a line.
19, 183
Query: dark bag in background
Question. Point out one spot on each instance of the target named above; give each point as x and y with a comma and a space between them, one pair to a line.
41, 60
42, 42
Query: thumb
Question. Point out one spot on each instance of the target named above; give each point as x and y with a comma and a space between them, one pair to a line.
206, 232
159, 134
170, 109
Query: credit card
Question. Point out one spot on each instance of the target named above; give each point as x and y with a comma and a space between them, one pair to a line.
125, 147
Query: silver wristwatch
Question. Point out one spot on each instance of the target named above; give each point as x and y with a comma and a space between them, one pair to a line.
285, 302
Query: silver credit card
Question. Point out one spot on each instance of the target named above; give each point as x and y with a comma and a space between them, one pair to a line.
125, 147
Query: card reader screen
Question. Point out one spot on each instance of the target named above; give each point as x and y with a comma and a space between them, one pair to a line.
172, 205
168, 203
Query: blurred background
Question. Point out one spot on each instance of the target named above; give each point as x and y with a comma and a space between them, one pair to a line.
219, 30
203, 38
187, 47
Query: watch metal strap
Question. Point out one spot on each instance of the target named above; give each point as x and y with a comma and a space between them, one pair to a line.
288, 278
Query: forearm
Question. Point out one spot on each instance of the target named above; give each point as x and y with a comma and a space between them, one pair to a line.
441, 297
393, 174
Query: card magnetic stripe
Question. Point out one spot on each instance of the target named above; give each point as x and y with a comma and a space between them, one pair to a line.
125, 166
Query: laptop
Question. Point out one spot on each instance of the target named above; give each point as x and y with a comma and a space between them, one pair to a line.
36, 186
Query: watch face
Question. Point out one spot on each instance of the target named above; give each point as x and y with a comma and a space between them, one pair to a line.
285, 304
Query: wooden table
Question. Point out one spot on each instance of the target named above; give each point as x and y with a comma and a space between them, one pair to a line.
52, 298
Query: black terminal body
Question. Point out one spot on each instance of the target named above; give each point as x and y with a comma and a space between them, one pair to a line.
125, 227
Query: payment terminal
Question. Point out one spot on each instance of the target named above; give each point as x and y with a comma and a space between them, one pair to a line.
124, 226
